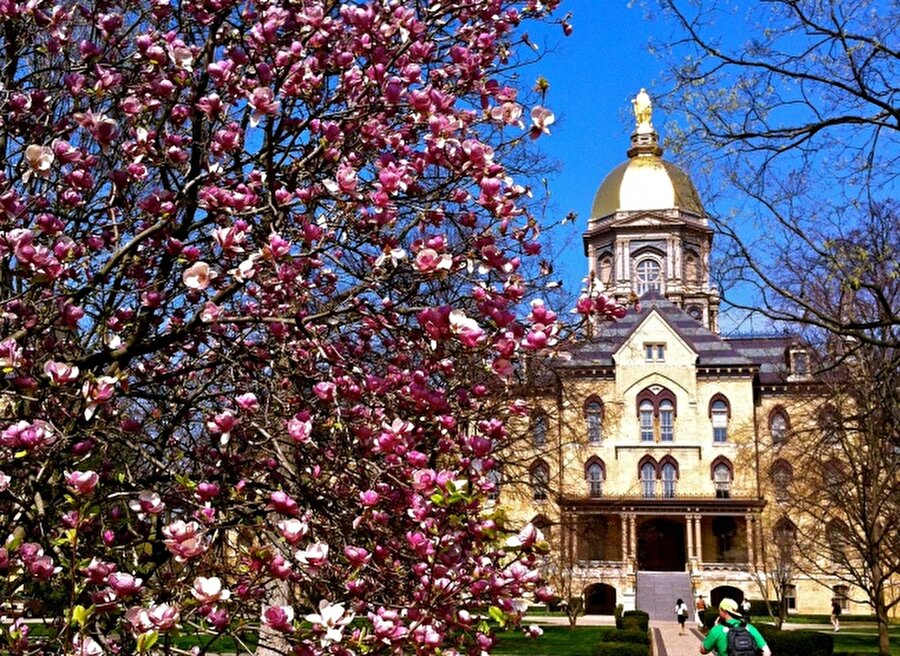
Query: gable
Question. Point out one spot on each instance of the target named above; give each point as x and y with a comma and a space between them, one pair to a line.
654, 331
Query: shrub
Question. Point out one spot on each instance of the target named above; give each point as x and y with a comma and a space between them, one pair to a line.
709, 617
618, 615
758, 607
620, 649
609, 634
635, 619
798, 643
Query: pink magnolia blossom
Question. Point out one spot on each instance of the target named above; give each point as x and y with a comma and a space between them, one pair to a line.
330, 621
82, 483
124, 584
39, 160
60, 373
293, 530
314, 556
279, 618
198, 276
247, 402
209, 590
86, 646
184, 540
147, 503
98, 392
541, 120
164, 617
299, 429
10, 354
4, 482
428, 261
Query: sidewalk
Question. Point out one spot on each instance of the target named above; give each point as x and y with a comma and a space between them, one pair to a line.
668, 642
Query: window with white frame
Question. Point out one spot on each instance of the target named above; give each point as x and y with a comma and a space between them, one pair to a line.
778, 427
790, 596
539, 429
648, 480
595, 480
799, 363
655, 352
648, 275
666, 421
593, 411
646, 416
540, 481
719, 415
842, 596
669, 480
722, 480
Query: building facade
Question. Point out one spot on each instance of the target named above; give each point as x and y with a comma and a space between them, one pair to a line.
654, 446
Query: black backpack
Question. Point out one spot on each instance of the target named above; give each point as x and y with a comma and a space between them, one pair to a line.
740, 642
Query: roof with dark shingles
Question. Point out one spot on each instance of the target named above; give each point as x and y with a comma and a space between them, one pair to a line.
711, 349
768, 353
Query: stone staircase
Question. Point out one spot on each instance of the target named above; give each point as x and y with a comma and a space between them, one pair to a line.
657, 593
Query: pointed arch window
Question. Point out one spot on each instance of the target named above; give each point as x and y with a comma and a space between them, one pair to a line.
778, 426
785, 537
719, 414
656, 408
648, 274
668, 472
647, 473
606, 268
722, 475
830, 425
593, 414
838, 536
646, 416
495, 479
540, 480
594, 473
539, 425
782, 477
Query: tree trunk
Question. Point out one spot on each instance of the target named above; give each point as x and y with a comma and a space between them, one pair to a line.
884, 638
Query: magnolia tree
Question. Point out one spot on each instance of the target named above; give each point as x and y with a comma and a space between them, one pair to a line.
261, 270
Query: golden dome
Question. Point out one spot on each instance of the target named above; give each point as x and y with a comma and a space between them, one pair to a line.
646, 182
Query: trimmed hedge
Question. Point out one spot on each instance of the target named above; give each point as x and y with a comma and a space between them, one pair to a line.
620, 649
633, 619
798, 643
609, 634
709, 617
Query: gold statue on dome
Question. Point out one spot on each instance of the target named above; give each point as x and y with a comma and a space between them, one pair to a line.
643, 110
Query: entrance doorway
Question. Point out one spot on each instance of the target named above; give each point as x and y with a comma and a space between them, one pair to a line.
600, 599
660, 545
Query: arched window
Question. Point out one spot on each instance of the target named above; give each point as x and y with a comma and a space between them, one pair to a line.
540, 480
719, 413
656, 412
785, 537
648, 274
646, 413
539, 429
594, 475
691, 270
593, 414
778, 426
494, 477
606, 267
782, 477
833, 476
830, 426
722, 475
666, 421
669, 479
648, 479
838, 536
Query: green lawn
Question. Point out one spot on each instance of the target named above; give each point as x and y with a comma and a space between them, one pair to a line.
556, 641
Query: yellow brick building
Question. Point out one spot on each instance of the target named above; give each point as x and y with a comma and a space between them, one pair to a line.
655, 446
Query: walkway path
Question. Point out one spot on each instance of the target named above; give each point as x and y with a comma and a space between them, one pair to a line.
668, 642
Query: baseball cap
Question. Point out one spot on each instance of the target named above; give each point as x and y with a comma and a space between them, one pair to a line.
729, 606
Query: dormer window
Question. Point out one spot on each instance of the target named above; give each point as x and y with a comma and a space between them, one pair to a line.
799, 363
655, 352
648, 274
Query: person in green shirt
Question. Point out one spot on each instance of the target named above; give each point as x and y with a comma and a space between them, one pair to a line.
729, 617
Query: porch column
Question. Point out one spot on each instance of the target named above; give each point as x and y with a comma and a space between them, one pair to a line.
689, 525
631, 522
624, 537
698, 541
751, 530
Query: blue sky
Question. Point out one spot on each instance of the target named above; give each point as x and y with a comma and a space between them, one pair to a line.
593, 75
